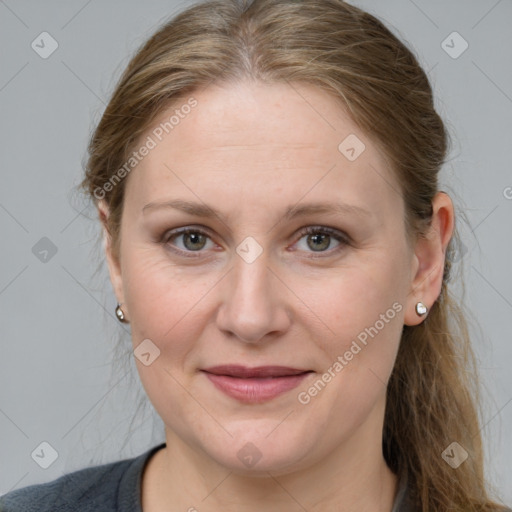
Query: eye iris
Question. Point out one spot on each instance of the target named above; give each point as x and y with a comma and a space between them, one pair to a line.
318, 237
196, 239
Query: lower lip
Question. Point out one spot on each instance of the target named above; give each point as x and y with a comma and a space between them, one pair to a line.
255, 390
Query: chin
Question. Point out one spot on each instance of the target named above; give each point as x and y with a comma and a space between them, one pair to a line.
261, 448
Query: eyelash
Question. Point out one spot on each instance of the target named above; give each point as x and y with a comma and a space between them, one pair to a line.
342, 238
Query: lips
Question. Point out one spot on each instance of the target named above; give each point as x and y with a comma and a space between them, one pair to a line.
255, 385
243, 372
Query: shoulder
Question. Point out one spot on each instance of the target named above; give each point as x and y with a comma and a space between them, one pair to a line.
108, 487
95, 485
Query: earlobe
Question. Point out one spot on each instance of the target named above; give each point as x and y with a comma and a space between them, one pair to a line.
430, 253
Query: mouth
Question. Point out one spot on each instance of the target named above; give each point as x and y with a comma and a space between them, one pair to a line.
255, 385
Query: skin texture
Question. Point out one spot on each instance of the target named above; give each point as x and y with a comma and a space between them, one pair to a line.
250, 150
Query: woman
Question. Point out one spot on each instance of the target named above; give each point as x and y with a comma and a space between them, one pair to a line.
266, 175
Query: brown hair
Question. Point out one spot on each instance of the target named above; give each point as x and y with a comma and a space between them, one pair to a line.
432, 395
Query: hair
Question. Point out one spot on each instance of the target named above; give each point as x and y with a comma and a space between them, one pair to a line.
432, 395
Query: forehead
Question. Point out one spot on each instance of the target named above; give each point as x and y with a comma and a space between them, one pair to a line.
262, 142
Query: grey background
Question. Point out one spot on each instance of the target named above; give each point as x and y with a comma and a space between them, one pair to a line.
61, 380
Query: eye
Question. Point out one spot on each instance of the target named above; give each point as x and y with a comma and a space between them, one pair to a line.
192, 240
319, 239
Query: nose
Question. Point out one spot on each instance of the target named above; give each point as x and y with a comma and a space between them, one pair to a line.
253, 305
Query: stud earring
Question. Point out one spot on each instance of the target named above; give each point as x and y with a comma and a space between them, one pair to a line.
421, 309
120, 314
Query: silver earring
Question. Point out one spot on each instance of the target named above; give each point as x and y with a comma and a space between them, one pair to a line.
421, 309
120, 314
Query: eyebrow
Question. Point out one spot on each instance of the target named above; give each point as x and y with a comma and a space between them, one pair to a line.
291, 212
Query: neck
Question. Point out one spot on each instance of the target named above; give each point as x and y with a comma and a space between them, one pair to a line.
354, 477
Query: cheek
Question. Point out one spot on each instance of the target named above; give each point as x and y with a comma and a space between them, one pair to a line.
163, 300
364, 309
361, 311
166, 306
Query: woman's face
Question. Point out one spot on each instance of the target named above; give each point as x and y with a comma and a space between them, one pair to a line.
248, 287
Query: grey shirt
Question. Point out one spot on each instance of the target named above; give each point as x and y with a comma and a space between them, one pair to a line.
113, 487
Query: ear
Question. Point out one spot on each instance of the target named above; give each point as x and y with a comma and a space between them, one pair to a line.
429, 259
114, 265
